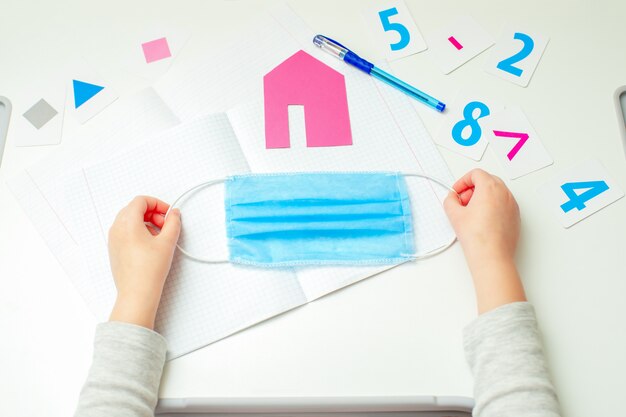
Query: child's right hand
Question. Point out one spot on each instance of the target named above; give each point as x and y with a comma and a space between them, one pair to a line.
485, 216
486, 219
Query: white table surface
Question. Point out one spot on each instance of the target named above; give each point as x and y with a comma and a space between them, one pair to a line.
395, 334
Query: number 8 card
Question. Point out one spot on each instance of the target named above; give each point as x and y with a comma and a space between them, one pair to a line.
463, 129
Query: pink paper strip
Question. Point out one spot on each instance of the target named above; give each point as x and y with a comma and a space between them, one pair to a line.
456, 43
304, 80
523, 137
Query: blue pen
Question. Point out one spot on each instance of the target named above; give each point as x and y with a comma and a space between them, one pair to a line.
338, 50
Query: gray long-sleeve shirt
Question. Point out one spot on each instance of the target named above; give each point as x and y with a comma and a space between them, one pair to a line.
503, 349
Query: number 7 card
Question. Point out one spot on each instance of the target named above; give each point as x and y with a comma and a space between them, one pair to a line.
515, 144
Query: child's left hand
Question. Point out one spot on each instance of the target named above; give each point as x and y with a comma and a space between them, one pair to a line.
141, 257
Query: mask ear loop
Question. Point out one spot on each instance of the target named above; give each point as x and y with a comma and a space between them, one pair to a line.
219, 181
451, 242
178, 199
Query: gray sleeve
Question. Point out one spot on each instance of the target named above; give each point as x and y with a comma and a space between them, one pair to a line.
125, 373
504, 351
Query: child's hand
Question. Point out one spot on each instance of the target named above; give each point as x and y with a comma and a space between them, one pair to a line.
486, 219
141, 258
487, 223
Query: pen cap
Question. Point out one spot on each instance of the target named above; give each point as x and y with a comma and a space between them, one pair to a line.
328, 45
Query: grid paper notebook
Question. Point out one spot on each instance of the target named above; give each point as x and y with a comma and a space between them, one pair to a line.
55, 196
82, 190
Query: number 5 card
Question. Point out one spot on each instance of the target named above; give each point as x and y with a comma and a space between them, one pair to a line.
394, 30
579, 192
516, 55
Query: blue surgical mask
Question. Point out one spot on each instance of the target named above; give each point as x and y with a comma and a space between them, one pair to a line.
317, 218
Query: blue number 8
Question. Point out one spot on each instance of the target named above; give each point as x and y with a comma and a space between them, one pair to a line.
507, 64
405, 36
471, 122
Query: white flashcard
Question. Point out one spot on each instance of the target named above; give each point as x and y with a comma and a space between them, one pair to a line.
87, 92
393, 29
38, 114
515, 143
516, 55
151, 53
458, 42
463, 129
579, 192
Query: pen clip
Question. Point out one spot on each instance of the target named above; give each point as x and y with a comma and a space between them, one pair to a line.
334, 42
337, 43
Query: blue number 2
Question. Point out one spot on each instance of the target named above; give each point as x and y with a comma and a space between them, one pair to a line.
577, 201
507, 64
405, 36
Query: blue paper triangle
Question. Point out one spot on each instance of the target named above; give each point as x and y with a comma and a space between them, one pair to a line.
83, 92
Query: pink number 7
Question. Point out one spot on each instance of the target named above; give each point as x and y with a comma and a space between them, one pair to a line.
523, 137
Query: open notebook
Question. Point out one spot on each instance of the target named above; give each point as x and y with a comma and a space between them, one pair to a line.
181, 127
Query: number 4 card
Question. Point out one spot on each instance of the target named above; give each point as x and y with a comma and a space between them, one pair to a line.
579, 192
394, 30
516, 55
515, 143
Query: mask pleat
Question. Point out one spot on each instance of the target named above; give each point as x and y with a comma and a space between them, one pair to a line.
309, 202
339, 212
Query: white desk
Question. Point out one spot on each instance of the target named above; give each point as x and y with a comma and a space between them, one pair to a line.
396, 334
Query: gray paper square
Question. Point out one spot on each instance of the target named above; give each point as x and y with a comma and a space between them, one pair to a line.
40, 114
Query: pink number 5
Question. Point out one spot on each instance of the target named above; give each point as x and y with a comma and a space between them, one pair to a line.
523, 137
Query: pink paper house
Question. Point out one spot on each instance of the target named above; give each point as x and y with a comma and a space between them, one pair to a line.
304, 80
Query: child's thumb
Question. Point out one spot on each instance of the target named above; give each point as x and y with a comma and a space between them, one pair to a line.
171, 228
452, 204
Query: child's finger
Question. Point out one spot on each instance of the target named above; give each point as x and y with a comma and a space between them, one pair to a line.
153, 231
470, 179
157, 219
144, 205
451, 204
171, 228
466, 196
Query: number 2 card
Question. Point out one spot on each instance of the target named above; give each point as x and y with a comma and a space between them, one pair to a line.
515, 143
393, 28
579, 192
516, 55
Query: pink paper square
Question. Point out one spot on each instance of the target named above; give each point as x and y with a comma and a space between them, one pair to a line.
156, 50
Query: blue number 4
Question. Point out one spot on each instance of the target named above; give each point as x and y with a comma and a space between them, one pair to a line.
507, 64
577, 201
405, 36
